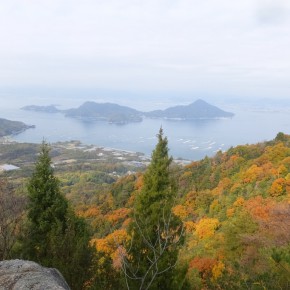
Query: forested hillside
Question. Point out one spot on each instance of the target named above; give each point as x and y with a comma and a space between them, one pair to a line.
236, 215
8, 127
229, 219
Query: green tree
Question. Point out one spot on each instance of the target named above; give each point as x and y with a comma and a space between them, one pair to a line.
156, 233
47, 208
54, 236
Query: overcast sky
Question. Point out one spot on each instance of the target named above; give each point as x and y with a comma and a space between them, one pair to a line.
225, 47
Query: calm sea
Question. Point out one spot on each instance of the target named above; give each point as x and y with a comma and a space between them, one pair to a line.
191, 140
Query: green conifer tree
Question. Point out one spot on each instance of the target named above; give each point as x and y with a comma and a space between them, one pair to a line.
156, 232
55, 236
47, 208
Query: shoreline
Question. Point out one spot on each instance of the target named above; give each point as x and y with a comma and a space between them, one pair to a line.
77, 144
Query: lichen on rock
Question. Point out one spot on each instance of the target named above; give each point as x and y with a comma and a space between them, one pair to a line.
24, 275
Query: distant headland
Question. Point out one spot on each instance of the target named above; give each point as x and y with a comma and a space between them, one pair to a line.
8, 127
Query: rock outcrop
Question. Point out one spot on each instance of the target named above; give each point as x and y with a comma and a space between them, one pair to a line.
24, 275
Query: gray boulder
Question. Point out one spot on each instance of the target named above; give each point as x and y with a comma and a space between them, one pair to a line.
24, 275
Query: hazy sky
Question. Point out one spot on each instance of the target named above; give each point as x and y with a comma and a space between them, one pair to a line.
225, 47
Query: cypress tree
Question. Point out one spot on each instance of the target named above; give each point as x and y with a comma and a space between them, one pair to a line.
47, 209
55, 236
156, 232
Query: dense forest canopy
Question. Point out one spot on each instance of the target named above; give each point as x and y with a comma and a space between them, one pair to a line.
234, 209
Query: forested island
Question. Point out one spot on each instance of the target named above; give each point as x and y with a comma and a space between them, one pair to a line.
197, 110
114, 113
217, 223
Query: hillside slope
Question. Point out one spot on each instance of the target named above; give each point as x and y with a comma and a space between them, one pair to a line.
235, 208
8, 127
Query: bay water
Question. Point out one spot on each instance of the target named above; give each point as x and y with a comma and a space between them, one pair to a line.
191, 140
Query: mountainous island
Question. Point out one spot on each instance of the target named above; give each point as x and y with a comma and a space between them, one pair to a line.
122, 114
197, 110
117, 114
8, 127
114, 113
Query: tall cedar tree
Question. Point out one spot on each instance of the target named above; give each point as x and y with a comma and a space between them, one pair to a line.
156, 232
55, 237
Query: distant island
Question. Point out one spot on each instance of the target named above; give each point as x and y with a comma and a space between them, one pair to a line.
197, 110
114, 113
8, 127
47, 109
